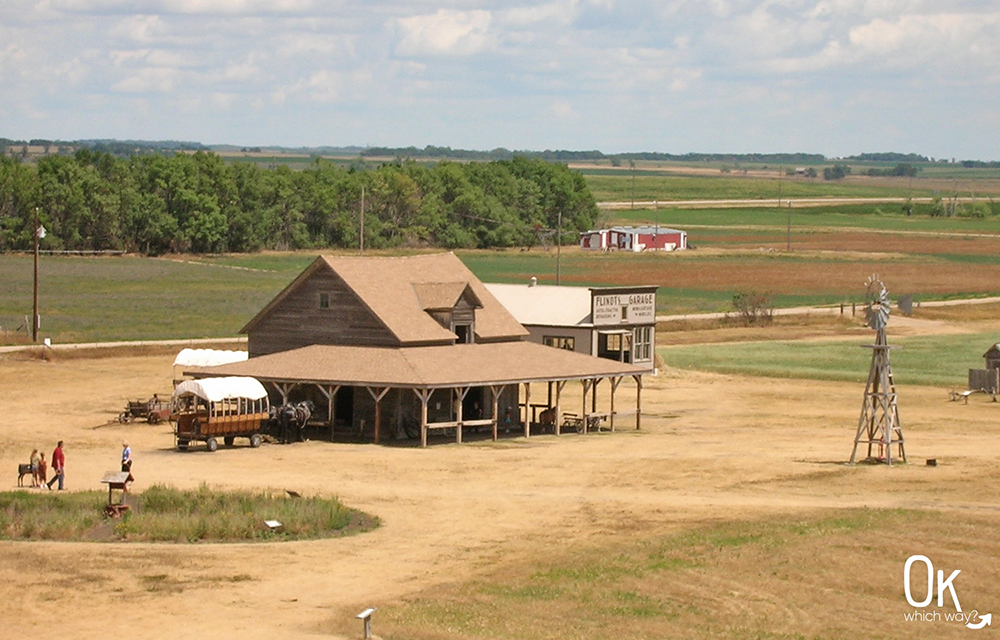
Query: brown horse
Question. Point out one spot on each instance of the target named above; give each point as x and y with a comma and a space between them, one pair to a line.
547, 419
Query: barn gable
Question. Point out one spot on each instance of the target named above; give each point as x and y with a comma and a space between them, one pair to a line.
386, 302
316, 308
993, 357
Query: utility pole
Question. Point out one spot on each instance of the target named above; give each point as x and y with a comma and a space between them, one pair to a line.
362, 221
632, 163
34, 313
558, 249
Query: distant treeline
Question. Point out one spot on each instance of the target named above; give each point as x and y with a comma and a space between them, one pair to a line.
127, 148
197, 202
889, 157
570, 156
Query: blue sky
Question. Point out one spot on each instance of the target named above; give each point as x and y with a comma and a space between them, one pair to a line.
837, 77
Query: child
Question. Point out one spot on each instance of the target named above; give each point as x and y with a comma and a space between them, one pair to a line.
34, 468
43, 470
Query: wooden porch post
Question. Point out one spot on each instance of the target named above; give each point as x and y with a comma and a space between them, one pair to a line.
377, 395
459, 393
330, 393
614, 387
285, 388
527, 409
583, 414
593, 397
496, 407
425, 396
559, 387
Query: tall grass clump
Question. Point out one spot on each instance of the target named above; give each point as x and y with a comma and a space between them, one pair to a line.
166, 514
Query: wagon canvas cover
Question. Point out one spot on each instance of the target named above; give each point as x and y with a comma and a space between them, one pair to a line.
216, 389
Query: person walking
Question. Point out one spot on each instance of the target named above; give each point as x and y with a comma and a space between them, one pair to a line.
127, 460
58, 466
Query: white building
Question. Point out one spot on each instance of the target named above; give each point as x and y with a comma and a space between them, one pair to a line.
618, 323
651, 238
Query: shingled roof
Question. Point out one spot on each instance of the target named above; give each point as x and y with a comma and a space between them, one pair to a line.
425, 367
400, 290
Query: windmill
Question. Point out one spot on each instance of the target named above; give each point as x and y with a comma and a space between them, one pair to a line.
879, 426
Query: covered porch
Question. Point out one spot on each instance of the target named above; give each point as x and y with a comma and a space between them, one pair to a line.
384, 394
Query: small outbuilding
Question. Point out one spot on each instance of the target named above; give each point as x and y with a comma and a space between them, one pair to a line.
648, 238
992, 357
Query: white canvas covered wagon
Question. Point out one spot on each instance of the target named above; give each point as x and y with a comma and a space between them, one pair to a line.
212, 408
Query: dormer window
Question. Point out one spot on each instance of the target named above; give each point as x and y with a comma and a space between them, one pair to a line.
453, 305
465, 333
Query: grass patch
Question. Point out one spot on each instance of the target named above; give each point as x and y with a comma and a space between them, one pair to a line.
744, 575
925, 360
165, 514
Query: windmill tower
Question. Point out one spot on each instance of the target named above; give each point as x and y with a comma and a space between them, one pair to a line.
879, 426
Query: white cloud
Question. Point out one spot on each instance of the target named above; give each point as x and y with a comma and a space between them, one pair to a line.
521, 74
148, 80
447, 32
522, 16
198, 7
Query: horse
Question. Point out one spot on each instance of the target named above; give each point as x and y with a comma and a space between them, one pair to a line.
291, 419
547, 418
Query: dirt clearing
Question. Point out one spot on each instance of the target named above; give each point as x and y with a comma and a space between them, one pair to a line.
713, 450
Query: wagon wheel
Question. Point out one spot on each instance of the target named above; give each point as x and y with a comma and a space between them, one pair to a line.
182, 445
255, 440
212, 444
153, 418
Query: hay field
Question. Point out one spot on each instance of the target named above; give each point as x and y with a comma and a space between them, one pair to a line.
729, 515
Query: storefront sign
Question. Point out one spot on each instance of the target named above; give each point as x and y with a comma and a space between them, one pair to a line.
625, 308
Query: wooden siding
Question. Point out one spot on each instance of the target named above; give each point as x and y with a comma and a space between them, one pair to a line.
987, 380
298, 320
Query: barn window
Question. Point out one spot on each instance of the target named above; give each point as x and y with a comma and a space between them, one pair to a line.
560, 342
324, 300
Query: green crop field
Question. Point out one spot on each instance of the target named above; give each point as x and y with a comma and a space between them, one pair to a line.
84, 299
884, 217
927, 360
620, 188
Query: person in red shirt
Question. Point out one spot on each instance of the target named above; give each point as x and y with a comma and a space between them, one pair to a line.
58, 466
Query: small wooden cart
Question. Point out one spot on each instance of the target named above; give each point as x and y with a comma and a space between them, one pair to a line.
212, 408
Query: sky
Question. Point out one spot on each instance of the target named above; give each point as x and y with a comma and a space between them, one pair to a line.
837, 77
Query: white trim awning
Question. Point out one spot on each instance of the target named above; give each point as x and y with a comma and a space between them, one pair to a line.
208, 357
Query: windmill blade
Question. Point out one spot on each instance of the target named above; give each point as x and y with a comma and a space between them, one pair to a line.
876, 303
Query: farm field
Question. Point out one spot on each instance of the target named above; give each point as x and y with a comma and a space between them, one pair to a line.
672, 182
85, 299
731, 514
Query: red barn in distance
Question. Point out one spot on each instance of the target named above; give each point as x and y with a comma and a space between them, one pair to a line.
652, 238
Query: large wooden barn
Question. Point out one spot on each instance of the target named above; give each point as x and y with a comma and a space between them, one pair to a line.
394, 347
